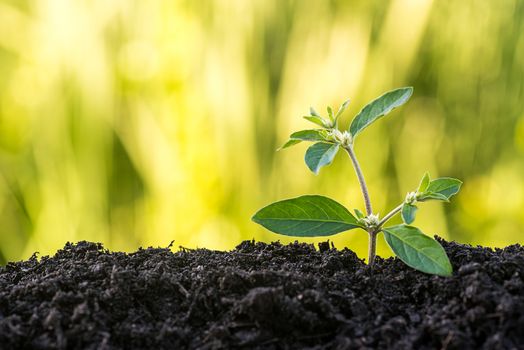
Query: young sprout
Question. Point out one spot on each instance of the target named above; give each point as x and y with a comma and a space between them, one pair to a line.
313, 215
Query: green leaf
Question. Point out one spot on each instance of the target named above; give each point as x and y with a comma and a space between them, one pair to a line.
430, 195
330, 113
319, 155
313, 112
422, 187
360, 215
378, 108
342, 108
417, 250
309, 135
305, 135
317, 120
306, 216
408, 213
289, 143
445, 186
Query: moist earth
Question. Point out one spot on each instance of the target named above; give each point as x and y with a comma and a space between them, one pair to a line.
260, 296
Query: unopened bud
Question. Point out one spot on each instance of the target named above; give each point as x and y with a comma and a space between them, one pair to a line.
371, 221
344, 138
411, 198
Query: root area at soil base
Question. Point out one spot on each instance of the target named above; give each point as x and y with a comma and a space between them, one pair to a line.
260, 296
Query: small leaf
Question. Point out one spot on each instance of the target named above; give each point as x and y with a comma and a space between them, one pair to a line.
423, 183
360, 215
417, 250
319, 155
408, 213
313, 112
342, 108
317, 120
309, 135
305, 135
431, 195
330, 113
378, 108
446, 186
289, 143
306, 216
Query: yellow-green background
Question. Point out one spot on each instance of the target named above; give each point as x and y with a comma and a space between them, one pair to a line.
135, 123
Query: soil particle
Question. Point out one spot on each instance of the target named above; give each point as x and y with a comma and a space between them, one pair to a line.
260, 296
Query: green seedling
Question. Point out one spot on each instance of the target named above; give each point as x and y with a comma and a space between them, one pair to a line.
313, 215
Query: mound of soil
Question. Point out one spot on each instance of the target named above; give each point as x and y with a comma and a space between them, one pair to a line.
260, 296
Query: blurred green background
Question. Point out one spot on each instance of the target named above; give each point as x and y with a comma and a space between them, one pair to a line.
135, 123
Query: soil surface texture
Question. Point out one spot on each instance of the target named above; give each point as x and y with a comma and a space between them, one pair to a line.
260, 296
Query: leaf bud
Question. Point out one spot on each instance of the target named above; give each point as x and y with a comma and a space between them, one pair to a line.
343, 138
371, 221
411, 198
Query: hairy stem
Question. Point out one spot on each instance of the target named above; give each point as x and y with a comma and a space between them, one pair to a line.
361, 180
372, 247
390, 215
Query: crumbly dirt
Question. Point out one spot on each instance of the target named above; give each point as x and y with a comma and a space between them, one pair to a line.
260, 296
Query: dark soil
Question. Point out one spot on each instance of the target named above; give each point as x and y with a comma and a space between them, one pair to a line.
260, 296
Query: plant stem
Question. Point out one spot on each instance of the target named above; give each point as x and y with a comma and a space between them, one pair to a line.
390, 215
373, 234
372, 247
361, 180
